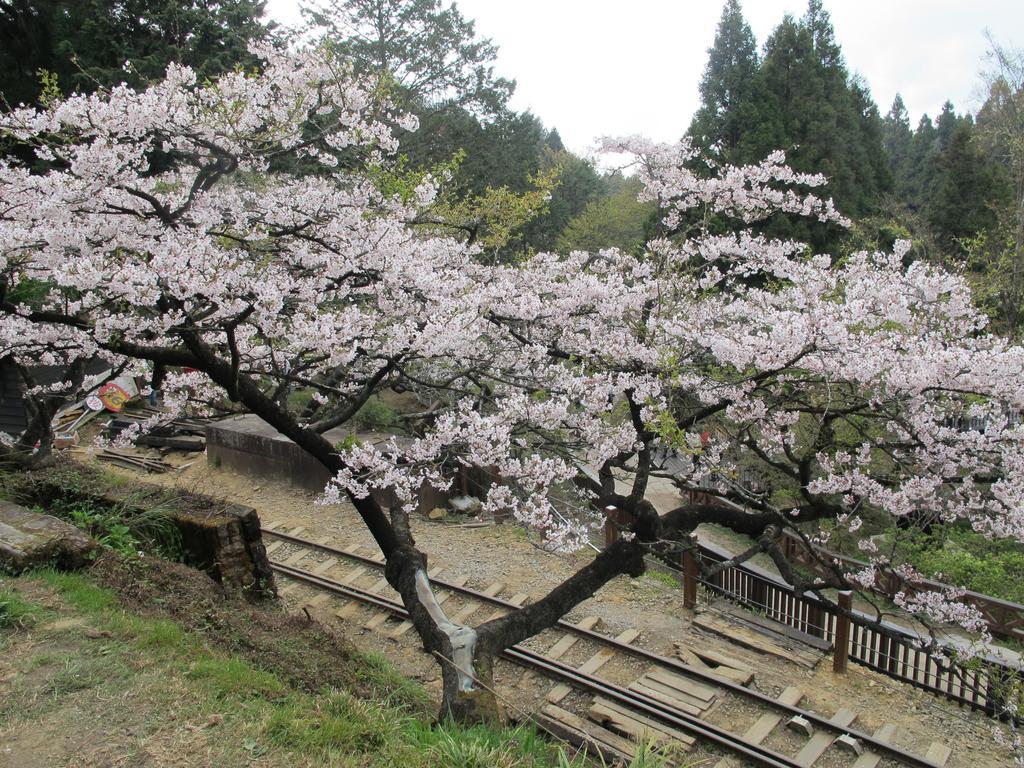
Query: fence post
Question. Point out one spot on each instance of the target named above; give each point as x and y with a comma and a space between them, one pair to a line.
841, 646
689, 577
500, 516
611, 525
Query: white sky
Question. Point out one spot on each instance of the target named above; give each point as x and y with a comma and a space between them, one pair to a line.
593, 68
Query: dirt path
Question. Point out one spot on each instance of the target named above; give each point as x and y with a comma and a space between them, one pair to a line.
650, 604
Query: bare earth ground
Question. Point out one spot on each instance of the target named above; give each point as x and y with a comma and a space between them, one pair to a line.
503, 554
141, 664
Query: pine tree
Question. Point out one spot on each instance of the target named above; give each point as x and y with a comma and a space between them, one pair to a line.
823, 118
898, 140
726, 91
967, 188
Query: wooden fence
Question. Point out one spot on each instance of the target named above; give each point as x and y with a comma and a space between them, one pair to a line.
984, 684
1003, 618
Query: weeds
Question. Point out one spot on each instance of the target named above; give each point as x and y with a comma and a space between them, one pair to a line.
15, 611
126, 526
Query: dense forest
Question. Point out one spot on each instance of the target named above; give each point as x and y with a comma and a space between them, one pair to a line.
954, 185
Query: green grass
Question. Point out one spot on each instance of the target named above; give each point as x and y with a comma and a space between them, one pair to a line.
662, 578
103, 652
233, 680
82, 594
15, 611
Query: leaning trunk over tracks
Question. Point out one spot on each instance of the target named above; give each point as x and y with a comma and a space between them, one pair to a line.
467, 654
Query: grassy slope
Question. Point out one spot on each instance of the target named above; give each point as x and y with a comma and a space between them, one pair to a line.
85, 682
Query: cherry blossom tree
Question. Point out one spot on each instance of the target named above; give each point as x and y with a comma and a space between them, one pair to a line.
171, 227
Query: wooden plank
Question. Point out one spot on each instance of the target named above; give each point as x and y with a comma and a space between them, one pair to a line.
325, 566
715, 659
377, 619
349, 610
273, 525
636, 726
559, 649
682, 684
599, 659
591, 665
775, 630
717, 664
598, 741
886, 734
517, 600
734, 633
821, 740
765, 724
352, 576
273, 546
674, 693
659, 694
298, 557
317, 600
938, 753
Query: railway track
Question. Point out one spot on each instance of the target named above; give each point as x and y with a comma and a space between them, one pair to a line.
666, 704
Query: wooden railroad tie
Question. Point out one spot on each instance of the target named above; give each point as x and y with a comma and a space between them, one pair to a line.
517, 600
887, 735
716, 664
765, 724
618, 719
938, 753
492, 590
822, 740
595, 739
591, 665
568, 640
273, 546
681, 693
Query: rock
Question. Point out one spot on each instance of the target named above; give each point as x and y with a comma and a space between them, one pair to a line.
466, 505
28, 539
437, 514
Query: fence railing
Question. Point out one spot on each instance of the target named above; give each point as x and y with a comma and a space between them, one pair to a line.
983, 684
1004, 619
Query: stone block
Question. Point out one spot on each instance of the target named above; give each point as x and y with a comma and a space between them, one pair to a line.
28, 539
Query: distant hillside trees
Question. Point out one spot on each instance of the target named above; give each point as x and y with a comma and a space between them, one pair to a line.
797, 96
441, 70
86, 44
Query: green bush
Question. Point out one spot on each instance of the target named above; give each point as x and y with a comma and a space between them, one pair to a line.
375, 414
965, 558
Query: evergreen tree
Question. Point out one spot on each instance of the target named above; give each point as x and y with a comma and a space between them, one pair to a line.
578, 184
898, 140
86, 43
967, 189
822, 117
432, 53
727, 103
920, 166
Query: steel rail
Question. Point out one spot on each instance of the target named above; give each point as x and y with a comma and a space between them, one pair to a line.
525, 657
818, 721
